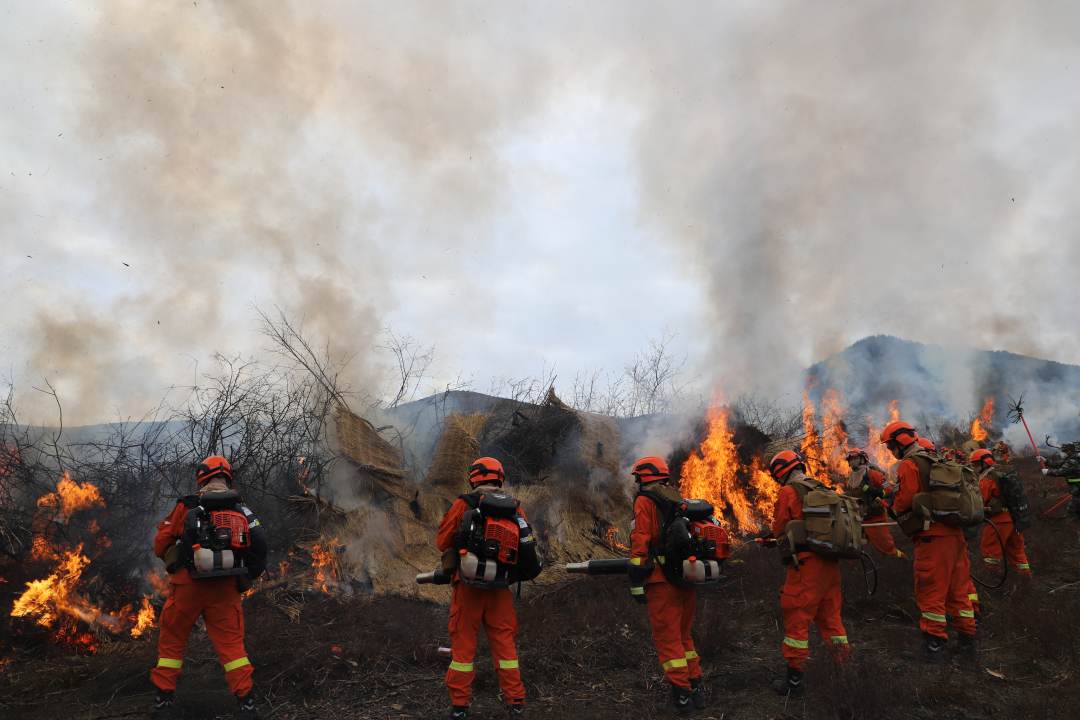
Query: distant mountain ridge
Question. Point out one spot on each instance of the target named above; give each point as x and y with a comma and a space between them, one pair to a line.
935, 382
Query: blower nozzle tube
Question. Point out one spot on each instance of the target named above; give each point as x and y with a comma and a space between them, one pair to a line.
435, 577
616, 566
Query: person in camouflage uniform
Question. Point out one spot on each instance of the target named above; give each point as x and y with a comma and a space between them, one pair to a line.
1068, 467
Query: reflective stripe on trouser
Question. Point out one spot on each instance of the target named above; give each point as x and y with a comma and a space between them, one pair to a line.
942, 582
671, 617
219, 604
812, 594
1014, 543
471, 609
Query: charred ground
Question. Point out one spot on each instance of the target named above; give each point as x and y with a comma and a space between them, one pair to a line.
585, 652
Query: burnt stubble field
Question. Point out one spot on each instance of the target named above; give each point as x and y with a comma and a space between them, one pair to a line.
585, 653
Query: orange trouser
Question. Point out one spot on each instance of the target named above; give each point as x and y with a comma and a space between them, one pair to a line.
218, 601
494, 610
881, 537
811, 593
671, 616
1014, 544
973, 597
943, 584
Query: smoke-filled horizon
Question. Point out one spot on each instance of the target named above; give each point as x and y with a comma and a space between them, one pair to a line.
524, 185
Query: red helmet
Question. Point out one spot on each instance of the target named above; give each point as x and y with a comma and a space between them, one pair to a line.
486, 470
900, 432
650, 469
784, 462
853, 453
925, 443
981, 456
212, 467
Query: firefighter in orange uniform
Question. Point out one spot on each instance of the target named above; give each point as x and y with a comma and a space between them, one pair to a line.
671, 607
472, 608
811, 591
942, 567
868, 482
998, 514
216, 599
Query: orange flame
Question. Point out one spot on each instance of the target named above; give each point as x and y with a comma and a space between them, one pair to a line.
53, 598
324, 562
611, 539
71, 497
54, 601
144, 620
714, 473
980, 424
835, 437
879, 454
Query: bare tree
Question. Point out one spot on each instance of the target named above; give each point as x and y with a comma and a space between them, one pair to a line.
654, 378
412, 361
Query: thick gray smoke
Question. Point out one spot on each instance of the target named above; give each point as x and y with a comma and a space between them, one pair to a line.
827, 171
845, 169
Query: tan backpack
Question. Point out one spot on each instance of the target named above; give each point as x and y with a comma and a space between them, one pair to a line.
948, 494
830, 525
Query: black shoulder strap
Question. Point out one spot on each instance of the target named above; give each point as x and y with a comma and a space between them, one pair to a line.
189, 501
471, 499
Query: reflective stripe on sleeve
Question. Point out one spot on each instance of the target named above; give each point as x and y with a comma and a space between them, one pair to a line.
676, 663
237, 663
170, 663
935, 617
992, 561
508, 664
839, 639
461, 667
636, 561
1023, 566
691, 655
967, 613
973, 597
637, 591
799, 644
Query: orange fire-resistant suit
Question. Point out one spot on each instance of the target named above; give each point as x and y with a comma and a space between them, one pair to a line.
217, 600
811, 592
471, 608
879, 535
942, 568
1014, 541
671, 607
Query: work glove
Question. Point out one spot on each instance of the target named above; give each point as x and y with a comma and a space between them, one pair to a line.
1046, 471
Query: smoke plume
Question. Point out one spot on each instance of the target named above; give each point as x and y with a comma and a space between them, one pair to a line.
825, 172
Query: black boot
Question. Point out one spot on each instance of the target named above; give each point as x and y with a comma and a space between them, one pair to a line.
966, 649
248, 711
459, 712
163, 705
791, 685
680, 698
517, 710
933, 649
697, 694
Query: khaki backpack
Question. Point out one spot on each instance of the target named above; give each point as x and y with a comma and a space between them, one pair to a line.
948, 494
830, 525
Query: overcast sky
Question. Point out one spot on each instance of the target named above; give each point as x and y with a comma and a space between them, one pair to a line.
530, 184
